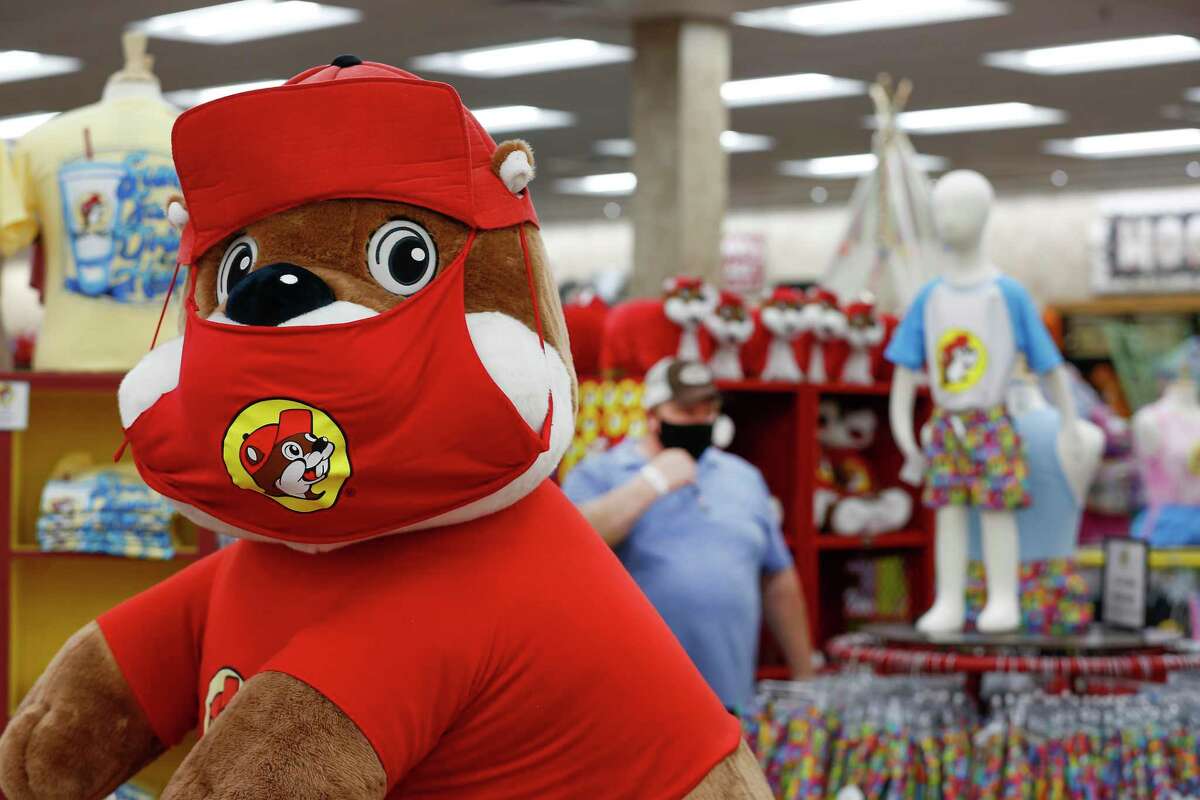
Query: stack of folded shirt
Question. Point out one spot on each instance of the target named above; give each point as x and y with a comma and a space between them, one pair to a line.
130, 792
106, 510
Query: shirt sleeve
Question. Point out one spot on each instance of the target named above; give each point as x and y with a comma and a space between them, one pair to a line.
907, 347
1029, 331
776, 557
591, 478
18, 224
155, 638
389, 645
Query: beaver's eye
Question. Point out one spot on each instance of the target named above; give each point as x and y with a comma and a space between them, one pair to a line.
236, 264
292, 451
402, 257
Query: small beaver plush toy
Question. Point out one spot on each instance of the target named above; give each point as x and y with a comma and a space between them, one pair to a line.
372, 387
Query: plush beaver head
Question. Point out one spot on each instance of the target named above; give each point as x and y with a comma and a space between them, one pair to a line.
353, 256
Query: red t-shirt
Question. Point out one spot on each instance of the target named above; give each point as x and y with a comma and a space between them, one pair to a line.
509, 657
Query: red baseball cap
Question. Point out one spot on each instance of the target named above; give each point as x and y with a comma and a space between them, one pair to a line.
349, 129
293, 421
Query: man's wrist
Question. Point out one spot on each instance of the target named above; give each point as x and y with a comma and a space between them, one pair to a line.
653, 476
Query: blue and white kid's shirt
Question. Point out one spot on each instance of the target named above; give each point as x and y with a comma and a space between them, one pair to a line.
968, 338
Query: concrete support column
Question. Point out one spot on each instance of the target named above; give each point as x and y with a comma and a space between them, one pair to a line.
682, 172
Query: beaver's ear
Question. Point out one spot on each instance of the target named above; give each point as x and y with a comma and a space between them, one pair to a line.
177, 213
513, 163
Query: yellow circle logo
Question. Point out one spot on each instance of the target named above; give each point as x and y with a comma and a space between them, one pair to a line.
290, 451
962, 360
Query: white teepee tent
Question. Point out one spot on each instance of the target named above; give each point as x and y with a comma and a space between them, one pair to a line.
887, 248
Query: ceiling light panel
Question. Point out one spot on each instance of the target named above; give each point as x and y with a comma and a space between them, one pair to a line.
608, 183
1142, 51
991, 116
1128, 145
850, 166
18, 126
852, 16
186, 98
731, 142
799, 88
524, 58
24, 65
246, 20
505, 119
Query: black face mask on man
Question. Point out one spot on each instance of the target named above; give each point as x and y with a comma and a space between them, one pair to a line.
693, 438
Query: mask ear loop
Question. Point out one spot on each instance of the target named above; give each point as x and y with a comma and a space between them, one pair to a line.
537, 322
154, 341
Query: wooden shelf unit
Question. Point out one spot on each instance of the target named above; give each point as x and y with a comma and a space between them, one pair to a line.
48, 596
777, 432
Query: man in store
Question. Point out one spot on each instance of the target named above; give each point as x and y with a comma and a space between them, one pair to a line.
696, 528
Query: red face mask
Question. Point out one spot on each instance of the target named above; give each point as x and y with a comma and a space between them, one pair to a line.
330, 434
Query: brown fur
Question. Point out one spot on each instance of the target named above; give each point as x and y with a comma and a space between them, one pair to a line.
738, 777
505, 149
79, 733
280, 739
330, 238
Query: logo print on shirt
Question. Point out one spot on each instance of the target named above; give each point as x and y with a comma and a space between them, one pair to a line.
962, 360
221, 691
289, 451
114, 208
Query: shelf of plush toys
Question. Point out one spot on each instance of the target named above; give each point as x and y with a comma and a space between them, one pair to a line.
50, 595
780, 427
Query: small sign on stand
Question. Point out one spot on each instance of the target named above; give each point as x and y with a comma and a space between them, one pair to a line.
1124, 583
14, 405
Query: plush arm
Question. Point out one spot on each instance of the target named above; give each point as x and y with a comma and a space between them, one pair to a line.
79, 733
280, 739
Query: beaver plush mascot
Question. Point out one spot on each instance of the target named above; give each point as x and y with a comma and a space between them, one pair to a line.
372, 387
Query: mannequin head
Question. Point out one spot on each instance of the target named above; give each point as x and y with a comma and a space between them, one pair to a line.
962, 200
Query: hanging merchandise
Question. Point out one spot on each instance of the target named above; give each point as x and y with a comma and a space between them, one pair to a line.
867, 736
95, 183
889, 240
85, 509
885, 738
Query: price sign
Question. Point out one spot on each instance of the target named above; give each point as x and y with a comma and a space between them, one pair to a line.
1123, 588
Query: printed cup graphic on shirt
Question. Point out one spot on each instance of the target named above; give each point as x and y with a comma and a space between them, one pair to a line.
89, 193
114, 208
962, 360
289, 451
221, 691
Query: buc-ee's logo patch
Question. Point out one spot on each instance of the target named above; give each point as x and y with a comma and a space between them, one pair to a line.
962, 360
290, 451
221, 691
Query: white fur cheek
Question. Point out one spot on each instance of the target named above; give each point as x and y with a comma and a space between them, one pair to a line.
773, 319
676, 310
152, 377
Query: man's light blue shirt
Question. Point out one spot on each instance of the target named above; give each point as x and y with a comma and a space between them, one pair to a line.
699, 554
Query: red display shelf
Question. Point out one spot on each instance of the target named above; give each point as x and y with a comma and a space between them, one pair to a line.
68, 381
898, 540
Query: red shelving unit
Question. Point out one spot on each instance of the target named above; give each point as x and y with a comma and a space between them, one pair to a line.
45, 597
777, 431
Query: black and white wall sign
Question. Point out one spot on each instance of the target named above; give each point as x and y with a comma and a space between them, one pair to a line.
1147, 244
1126, 576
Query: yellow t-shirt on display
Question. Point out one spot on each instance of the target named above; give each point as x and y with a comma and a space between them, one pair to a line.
15, 226
95, 184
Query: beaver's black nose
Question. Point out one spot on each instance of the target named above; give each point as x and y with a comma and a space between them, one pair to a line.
320, 443
276, 293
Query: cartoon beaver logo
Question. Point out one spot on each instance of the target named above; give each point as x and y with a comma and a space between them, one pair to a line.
962, 360
287, 458
289, 451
